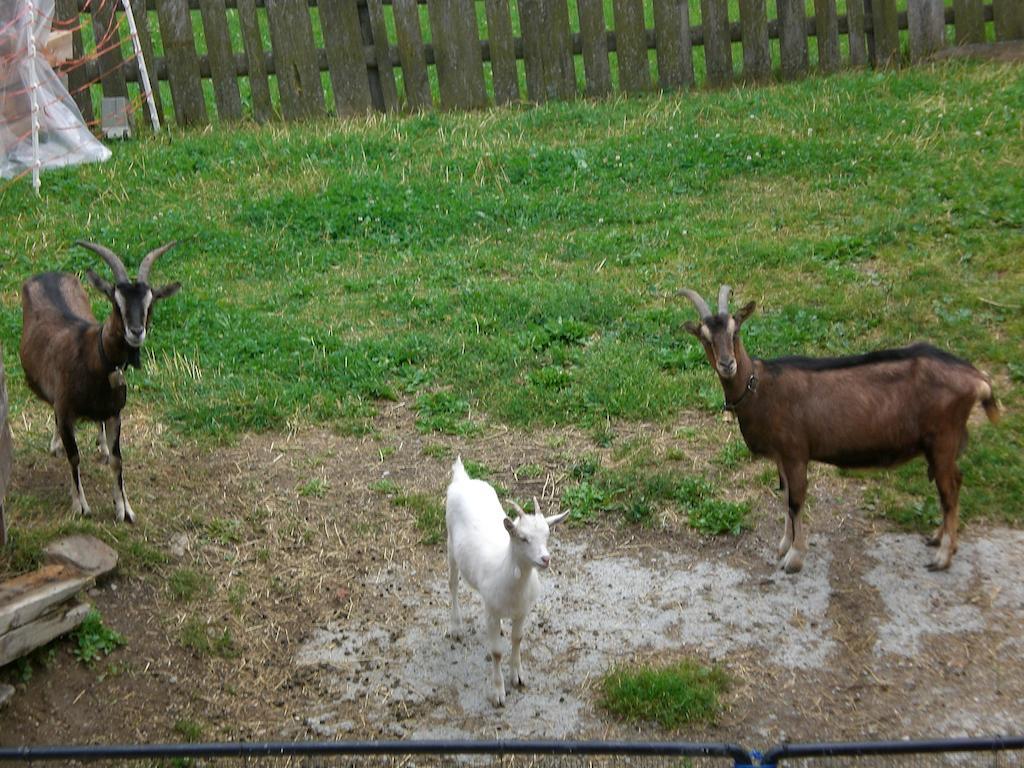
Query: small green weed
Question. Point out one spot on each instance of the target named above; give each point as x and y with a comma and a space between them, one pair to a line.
386, 485
429, 516
529, 471
675, 695
315, 488
732, 454
477, 469
444, 412
204, 640
190, 730
93, 639
186, 584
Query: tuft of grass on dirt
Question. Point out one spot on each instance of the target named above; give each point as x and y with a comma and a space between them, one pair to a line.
674, 695
187, 584
94, 640
203, 639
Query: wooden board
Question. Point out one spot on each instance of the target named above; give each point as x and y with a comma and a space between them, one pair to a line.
146, 43
108, 43
346, 62
969, 18
547, 50
856, 34
382, 55
672, 39
1009, 19
926, 22
27, 597
66, 15
631, 46
501, 47
885, 33
412, 55
456, 44
757, 55
222, 60
255, 56
182, 62
826, 30
793, 51
18, 642
717, 41
295, 59
6, 449
594, 37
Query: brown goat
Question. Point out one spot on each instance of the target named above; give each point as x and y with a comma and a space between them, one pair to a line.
875, 410
77, 365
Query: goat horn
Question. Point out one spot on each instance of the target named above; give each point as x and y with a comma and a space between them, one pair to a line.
112, 259
147, 262
536, 506
723, 299
698, 302
516, 507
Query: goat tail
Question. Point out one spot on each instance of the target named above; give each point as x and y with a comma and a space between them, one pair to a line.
993, 409
458, 471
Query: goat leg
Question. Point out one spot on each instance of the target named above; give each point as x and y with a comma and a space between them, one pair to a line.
494, 647
517, 660
948, 480
455, 625
122, 509
796, 491
102, 445
66, 427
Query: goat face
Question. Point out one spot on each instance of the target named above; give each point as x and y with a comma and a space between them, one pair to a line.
719, 333
132, 300
529, 534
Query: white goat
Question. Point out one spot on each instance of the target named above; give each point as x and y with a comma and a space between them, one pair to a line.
499, 558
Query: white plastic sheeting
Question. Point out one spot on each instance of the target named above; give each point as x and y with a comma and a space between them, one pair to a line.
30, 92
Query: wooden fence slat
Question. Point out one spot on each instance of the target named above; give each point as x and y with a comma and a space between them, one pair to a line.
547, 49
502, 47
969, 18
182, 62
856, 35
885, 33
717, 41
631, 46
6, 449
295, 62
757, 54
222, 60
456, 43
412, 54
67, 12
252, 41
382, 51
926, 22
343, 39
594, 35
18, 642
1009, 19
108, 41
826, 30
146, 43
793, 51
672, 38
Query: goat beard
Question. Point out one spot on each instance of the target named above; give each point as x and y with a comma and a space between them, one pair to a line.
134, 357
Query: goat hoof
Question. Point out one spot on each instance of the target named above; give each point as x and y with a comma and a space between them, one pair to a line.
518, 682
498, 699
793, 562
939, 565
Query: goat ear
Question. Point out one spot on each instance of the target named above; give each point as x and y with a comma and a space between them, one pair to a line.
100, 284
165, 292
554, 520
509, 526
744, 313
693, 328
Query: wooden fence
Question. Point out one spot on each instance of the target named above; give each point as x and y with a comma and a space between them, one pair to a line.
376, 56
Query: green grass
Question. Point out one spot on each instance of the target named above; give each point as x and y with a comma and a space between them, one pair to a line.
520, 266
186, 585
671, 695
94, 640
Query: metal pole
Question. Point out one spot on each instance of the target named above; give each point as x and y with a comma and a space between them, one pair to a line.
146, 89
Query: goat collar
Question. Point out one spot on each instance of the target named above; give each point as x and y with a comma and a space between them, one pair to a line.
134, 358
108, 366
751, 387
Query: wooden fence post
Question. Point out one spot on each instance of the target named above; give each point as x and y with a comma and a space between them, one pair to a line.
295, 64
547, 50
885, 32
631, 46
108, 43
856, 33
1009, 19
222, 60
969, 18
456, 41
374, 24
412, 54
757, 55
594, 36
793, 38
717, 41
926, 20
826, 30
182, 62
675, 49
67, 12
343, 39
502, 47
262, 108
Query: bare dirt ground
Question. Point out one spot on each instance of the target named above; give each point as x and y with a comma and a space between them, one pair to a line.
325, 613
